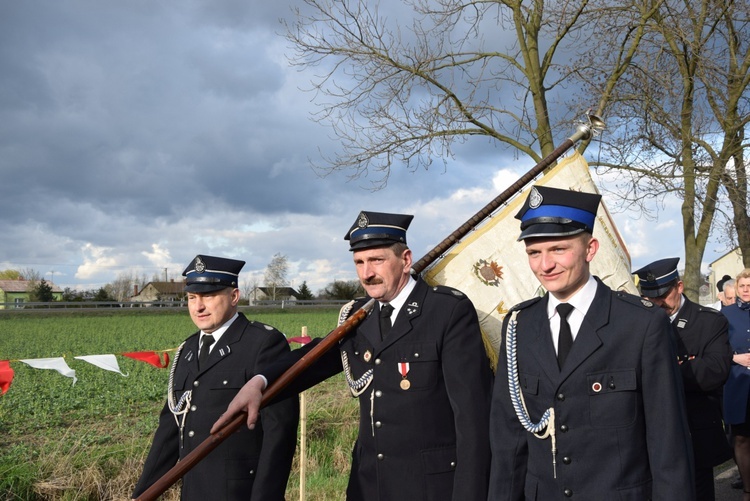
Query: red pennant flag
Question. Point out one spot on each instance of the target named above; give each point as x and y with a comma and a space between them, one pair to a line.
150, 357
300, 340
6, 376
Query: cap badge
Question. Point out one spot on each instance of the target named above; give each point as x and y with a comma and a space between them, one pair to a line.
650, 277
200, 266
362, 221
535, 198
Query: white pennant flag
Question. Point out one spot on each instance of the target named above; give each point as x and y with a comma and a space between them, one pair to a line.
106, 362
57, 364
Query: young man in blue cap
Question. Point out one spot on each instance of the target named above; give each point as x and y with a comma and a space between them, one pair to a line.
588, 401
208, 370
418, 366
705, 357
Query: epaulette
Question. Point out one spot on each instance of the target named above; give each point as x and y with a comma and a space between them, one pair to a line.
445, 289
635, 300
707, 309
525, 304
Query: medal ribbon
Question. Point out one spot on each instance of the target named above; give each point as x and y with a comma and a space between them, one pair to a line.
403, 368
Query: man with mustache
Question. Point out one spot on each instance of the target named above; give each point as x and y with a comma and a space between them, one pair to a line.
705, 357
418, 366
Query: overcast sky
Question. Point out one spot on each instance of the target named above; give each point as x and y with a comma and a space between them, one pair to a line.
135, 135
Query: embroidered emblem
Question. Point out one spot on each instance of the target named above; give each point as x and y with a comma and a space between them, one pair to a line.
535, 198
200, 266
412, 307
488, 272
681, 323
189, 356
647, 303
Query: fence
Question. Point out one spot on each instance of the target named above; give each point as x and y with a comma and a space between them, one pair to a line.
102, 305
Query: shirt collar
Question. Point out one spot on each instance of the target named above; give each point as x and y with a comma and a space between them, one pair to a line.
400, 299
581, 300
220, 331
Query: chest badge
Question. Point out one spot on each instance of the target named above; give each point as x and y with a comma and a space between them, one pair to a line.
367, 356
597, 387
403, 369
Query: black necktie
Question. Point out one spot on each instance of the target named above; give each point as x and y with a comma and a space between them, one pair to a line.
385, 320
565, 339
208, 340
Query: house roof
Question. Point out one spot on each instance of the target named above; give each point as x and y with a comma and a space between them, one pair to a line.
167, 287
23, 285
280, 291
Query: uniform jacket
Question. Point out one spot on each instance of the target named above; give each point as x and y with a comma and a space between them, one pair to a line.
705, 358
737, 387
428, 442
619, 413
239, 468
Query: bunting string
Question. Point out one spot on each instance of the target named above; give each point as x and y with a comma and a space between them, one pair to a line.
108, 362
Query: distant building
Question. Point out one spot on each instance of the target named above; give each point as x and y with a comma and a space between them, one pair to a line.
728, 264
267, 294
19, 292
160, 291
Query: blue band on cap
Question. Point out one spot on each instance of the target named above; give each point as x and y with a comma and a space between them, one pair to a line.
367, 232
561, 211
211, 277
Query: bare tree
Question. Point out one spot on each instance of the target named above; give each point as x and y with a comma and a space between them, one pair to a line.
276, 274
404, 91
678, 119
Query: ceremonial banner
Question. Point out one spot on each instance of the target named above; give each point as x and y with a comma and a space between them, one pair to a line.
6, 376
150, 357
106, 362
58, 364
490, 265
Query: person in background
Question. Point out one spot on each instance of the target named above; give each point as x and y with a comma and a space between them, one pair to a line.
720, 295
208, 370
705, 357
737, 388
418, 366
588, 400
728, 294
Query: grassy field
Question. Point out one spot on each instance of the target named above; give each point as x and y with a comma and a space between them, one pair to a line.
87, 441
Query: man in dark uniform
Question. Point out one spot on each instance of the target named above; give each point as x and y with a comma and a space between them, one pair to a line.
418, 366
705, 357
588, 401
208, 370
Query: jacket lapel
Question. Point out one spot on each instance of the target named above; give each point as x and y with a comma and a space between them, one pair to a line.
223, 347
588, 339
408, 313
541, 337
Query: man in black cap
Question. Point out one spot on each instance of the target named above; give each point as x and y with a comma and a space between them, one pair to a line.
208, 370
705, 357
588, 401
417, 365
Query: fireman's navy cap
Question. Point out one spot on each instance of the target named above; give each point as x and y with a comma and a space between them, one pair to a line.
375, 229
552, 212
209, 274
657, 278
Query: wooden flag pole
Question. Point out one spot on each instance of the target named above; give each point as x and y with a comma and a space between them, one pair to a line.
584, 130
213, 440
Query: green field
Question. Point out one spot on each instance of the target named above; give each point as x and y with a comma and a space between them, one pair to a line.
87, 441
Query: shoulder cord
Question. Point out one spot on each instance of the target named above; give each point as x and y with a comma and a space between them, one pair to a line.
546, 425
183, 405
359, 385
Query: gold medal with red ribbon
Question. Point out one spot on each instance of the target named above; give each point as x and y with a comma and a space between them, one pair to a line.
403, 368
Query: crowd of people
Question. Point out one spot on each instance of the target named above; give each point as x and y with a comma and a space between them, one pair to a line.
597, 394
